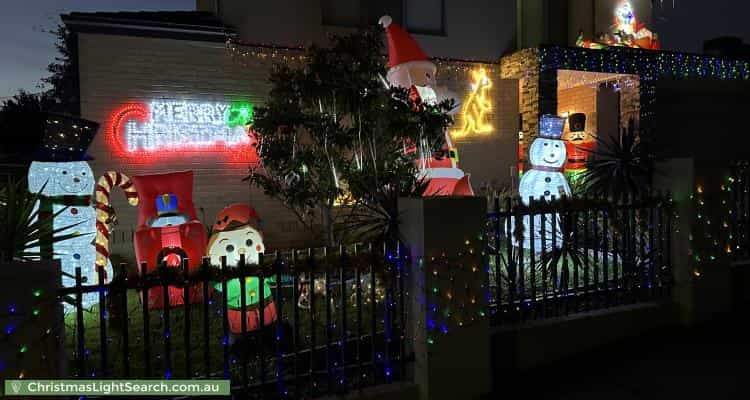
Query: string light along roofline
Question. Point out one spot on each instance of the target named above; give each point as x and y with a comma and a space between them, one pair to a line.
649, 64
263, 51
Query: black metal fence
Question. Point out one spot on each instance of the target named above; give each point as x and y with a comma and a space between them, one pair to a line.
339, 323
558, 257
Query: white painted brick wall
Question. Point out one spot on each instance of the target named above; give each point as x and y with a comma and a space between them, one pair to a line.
119, 69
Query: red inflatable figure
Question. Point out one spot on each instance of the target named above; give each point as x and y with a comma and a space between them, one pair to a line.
577, 147
168, 231
410, 68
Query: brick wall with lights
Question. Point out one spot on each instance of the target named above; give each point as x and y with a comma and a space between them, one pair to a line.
487, 156
123, 78
120, 70
524, 66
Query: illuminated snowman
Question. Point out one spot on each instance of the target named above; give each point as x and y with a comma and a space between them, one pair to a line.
63, 177
234, 234
66, 189
545, 178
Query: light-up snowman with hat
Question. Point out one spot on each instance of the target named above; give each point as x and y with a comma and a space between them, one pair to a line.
409, 68
235, 234
65, 182
545, 179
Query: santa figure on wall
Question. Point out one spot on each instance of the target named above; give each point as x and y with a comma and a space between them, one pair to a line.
410, 68
626, 31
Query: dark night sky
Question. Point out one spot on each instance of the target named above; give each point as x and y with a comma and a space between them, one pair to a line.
26, 49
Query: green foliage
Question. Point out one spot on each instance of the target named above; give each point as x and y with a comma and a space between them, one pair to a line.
63, 78
619, 168
331, 128
21, 117
21, 125
21, 227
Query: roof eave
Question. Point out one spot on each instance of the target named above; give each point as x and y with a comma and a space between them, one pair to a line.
148, 29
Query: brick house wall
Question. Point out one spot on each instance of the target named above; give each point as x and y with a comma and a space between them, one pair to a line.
115, 70
487, 157
630, 103
523, 65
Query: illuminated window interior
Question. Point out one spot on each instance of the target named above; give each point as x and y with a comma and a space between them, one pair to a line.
608, 100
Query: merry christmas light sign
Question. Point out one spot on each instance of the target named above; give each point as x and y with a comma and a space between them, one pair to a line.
163, 127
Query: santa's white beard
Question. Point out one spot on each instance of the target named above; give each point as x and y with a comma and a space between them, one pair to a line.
427, 94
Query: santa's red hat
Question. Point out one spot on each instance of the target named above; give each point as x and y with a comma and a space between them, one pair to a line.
234, 216
402, 48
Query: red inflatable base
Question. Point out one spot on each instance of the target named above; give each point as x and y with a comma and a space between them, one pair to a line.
252, 318
176, 296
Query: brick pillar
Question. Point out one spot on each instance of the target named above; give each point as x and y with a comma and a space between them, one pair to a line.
447, 304
702, 286
29, 299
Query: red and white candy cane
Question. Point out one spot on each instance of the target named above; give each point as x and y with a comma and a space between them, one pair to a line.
105, 213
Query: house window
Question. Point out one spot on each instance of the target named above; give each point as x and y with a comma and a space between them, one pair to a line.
418, 16
342, 12
378, 8
425, 16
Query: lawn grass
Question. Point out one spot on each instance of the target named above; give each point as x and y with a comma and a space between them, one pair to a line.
250, 346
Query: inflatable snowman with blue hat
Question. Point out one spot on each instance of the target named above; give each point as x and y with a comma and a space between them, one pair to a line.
545, 179
65, 182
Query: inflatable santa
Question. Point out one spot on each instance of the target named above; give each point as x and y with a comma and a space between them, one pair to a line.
410, 68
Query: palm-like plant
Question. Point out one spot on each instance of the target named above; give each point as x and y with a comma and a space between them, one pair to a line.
619, 167
22, 229
375, 218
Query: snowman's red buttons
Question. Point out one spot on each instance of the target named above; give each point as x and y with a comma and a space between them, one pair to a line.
74, 211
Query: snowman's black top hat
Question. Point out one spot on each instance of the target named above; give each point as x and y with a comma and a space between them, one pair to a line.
66, 138
551, 126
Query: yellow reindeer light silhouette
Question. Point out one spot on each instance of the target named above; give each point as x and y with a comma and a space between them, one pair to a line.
476, 107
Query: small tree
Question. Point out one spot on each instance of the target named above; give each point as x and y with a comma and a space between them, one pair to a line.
21, 116
620, 167
63, 78
21, 125
332, 132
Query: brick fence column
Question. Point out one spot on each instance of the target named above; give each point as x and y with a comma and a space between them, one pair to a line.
702, 287
452, 351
